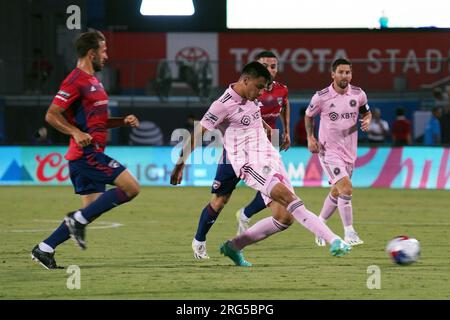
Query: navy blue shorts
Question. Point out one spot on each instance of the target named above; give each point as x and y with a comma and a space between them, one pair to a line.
225, 180
92, 172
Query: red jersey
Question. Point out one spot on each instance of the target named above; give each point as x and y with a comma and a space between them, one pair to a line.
86, 104
271, 103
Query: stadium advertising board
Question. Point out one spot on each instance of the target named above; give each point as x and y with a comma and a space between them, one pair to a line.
412, 167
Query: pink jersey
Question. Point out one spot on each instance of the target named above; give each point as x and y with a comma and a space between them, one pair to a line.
249, 151
272, 102
338, 131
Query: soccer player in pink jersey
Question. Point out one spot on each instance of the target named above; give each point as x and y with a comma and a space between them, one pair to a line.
339, 106
80, 109
274, 103
250, 156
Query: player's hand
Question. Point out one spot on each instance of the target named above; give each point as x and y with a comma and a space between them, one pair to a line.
177, 174
131, 120
365, 122
313, 145
286, 142
82, 139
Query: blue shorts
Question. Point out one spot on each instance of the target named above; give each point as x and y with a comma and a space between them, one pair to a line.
92, 172
225, 180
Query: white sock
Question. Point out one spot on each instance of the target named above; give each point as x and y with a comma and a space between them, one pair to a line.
79, 217
45, 247
243, 216
198, 243
349, 229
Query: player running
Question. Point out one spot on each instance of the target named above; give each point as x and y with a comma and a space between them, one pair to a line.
84, 102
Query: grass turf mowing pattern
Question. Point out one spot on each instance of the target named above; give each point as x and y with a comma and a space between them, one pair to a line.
150, 256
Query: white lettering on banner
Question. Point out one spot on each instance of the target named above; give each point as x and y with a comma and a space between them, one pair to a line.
296, 173
295, 60
372, 56
303, 60
411, 62
322, 54
392, 53
434, 58
238, 54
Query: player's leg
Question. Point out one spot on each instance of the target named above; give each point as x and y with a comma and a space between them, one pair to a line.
344, 187
280, 193
208, 217
279, 221
98, 169
224, 183
328, 208
243, 215
44, 252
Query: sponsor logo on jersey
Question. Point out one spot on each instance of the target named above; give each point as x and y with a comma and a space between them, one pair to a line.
113, 164
64, 94
245, 120
92, 89
333, 116
211, 117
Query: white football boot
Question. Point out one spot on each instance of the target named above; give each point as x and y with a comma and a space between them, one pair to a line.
353, 239
199, 248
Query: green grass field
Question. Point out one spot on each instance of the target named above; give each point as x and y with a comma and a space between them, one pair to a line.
150, 256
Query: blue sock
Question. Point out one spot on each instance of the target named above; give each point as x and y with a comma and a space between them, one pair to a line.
255, 206
207, 219
60, 235
107, 201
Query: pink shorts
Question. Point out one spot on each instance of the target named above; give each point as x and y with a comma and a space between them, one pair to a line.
335, 168
259, 177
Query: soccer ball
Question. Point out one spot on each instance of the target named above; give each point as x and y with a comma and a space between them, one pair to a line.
403, 250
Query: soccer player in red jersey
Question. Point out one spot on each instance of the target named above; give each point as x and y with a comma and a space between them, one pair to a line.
80, 110
274, 103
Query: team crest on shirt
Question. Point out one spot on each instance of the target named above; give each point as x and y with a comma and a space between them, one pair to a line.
216, 185
113, 164
353, 103
266, 170
245, 120
280, 101
337, 171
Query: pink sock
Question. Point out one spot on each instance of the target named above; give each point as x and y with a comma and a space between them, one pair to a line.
329, 206
345, 210
310, 221
259, 231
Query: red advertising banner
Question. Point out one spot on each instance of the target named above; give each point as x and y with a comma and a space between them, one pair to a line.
382, 60
135, 55
392, 60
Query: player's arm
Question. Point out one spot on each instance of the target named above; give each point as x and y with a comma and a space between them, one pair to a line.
130, 120
313, 145
285, 122
366, 117
56, 119
188, 147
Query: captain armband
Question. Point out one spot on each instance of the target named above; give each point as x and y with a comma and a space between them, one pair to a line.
364, 109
